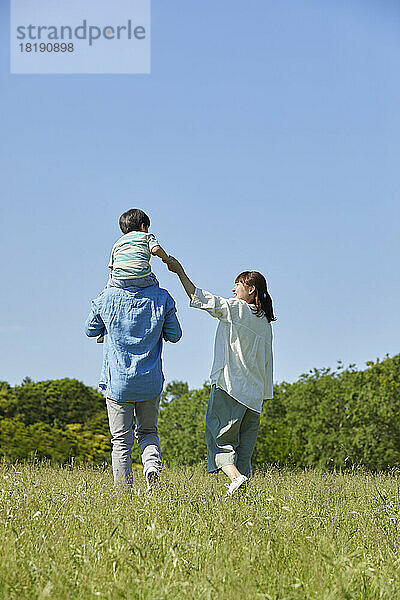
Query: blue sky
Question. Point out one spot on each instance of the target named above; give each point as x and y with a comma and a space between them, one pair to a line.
267, 137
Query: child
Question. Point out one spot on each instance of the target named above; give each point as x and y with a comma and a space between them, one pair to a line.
130, 255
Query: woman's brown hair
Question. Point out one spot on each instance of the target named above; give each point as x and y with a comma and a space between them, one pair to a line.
262, 299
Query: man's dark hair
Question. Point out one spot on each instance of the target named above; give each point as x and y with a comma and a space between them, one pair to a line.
132, 220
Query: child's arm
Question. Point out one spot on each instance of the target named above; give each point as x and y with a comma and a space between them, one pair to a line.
160, 252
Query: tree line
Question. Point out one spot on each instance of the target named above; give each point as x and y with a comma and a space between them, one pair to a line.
328, 419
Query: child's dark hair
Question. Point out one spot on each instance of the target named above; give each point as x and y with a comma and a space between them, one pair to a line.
262, 299
132, 220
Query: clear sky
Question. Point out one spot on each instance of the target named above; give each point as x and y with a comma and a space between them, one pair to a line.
267, 137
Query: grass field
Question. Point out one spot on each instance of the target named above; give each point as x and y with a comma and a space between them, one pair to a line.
67, 533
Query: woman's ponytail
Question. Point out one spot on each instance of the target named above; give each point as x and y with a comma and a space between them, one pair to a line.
262, 299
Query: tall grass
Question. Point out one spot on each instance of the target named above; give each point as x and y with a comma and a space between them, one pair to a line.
67, 533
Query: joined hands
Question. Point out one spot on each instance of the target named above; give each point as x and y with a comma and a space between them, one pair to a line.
174, 265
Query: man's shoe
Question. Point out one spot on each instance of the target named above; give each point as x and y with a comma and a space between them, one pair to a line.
152, 479
236, 484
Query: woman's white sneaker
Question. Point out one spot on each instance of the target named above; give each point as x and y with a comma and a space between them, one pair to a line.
236, 484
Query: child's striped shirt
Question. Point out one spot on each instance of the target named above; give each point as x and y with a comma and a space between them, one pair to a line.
130, 255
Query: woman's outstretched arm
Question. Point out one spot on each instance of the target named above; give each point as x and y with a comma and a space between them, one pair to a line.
176, 267
215, 305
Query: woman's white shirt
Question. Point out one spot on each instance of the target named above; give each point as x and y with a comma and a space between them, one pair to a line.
243, 360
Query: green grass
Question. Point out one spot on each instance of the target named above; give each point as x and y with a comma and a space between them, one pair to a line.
69, 534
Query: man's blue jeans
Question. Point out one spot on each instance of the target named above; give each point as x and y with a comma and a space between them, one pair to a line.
122, 417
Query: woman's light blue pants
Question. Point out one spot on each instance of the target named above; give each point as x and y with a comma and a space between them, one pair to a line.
231, 432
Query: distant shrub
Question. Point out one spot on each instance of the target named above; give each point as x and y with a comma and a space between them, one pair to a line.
329, 419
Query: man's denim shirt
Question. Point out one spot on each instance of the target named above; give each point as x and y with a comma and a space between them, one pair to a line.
136, 320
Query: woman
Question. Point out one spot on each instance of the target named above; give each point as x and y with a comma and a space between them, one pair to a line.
241, 375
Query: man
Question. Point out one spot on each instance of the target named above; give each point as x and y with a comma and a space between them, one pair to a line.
135, 321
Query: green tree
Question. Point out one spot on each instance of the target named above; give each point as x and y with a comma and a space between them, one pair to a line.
62, 401
181, 424
330, 419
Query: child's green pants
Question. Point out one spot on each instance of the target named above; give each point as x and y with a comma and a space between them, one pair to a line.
231, 432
